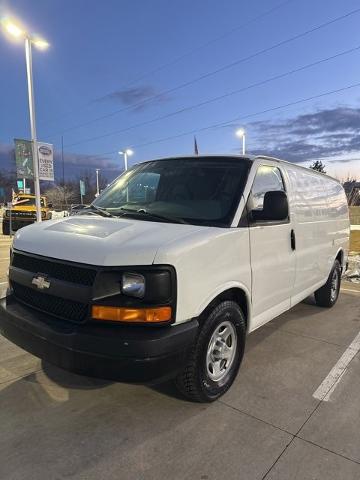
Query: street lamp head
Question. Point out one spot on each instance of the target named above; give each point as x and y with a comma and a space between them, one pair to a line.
15, 30
240, 132
127, 151
40, 43
12, 28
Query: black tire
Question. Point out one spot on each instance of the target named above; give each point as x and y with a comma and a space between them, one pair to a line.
5, 228
328, 294
195, 381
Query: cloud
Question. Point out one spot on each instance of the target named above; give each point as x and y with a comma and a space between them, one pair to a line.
78, 163
86, 161
6, 156
324, 133
139, 98
345, 160
74, 163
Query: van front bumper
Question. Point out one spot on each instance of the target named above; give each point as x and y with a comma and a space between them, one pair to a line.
115, 352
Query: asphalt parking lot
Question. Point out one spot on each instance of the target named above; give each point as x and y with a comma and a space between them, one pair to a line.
56, 425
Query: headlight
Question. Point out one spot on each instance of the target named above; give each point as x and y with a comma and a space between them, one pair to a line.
133, 284
145, 295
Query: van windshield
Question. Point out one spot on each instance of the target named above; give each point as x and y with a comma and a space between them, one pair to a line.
195, 190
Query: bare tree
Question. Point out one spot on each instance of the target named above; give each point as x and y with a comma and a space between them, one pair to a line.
318, 165
61, 196
7, 183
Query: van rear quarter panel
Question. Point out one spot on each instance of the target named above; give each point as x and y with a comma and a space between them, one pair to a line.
208, 263
319, 211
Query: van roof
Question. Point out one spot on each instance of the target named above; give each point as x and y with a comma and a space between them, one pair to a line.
250, 158
315, 172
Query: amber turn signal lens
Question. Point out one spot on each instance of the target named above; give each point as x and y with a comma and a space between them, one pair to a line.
135, 315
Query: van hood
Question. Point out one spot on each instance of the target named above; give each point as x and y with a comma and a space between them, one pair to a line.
100, 241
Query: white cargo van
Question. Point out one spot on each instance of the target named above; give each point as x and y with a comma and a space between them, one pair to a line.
172, 265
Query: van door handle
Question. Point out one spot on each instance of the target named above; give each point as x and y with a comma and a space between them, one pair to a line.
293, 240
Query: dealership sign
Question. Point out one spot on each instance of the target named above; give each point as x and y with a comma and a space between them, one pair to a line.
24, 160
46, 161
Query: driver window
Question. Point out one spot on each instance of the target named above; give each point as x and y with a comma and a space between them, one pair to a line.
267, 179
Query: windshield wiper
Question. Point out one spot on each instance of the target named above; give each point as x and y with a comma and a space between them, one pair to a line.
143, 212
99, 210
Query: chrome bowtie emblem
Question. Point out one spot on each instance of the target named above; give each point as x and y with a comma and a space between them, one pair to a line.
40, 282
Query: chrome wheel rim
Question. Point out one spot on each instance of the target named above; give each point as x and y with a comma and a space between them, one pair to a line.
334, 285
221, 351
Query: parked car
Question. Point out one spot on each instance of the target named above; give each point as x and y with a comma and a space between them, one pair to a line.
77, 208
23, 212
171, 267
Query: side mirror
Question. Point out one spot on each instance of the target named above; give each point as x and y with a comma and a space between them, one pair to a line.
275, 207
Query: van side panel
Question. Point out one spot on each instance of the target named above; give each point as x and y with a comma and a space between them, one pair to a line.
306, 208
319, 207
339, 225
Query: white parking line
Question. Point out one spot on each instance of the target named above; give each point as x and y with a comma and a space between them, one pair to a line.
336, 373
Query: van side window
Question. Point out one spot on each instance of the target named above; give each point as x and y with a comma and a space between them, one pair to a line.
267, 179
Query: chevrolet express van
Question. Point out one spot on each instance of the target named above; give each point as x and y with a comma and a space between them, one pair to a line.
172, 265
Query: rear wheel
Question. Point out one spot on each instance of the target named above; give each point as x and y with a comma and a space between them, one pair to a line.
6, 228
216, 356
327, 295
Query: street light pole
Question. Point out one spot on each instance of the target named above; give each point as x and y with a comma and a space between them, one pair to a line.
18, 32
28, 55
97, 182
241, 134
127, 152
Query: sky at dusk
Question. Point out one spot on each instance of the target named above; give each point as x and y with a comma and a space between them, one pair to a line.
150, 75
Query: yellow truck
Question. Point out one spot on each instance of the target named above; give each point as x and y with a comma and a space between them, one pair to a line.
23, 212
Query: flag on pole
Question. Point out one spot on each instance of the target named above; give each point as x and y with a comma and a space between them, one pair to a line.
196, 150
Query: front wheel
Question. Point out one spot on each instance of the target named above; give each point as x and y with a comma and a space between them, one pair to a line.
216, 356
327, 295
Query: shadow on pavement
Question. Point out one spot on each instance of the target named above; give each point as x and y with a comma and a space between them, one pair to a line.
69, 380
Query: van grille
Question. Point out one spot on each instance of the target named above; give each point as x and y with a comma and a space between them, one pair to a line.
59, 307
61, 271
